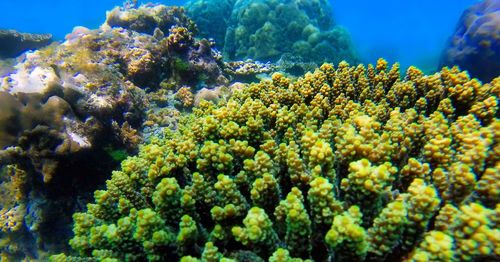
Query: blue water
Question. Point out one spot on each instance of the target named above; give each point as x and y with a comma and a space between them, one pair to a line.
411, 32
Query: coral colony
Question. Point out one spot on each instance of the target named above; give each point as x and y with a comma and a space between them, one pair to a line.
346, 162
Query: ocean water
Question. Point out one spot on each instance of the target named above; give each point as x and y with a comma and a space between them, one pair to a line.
410, 32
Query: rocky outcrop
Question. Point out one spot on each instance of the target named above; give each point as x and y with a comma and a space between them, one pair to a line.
13, 43
475, 44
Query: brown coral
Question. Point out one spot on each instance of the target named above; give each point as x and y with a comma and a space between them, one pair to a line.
185, 96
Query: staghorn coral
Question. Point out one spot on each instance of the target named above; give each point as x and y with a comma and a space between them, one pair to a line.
258, 232
346, 234
179, 38
436, 246
475, 230
13, 204
14, 207
269, 175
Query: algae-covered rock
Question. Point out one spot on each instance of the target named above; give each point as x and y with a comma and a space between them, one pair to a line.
13, 43
147, 18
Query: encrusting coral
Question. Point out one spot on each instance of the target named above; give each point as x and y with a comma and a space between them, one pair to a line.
343, 163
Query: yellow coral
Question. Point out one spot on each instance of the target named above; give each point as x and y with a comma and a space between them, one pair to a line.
398, 151
258, 230
360, 137
324, 207
346, 230
387, 228
437, 246
185, 95
12, 218
422, 203
488, 187
364, 177
476, 232
415, 169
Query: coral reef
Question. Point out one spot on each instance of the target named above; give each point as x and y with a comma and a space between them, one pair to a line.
13, 43
185, 96
295, 65
215, 94
475, 44
344, 163
147, 18
75, 103
265, 30
249, 71
212, 18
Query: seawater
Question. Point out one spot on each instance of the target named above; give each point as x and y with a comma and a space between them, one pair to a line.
410, 32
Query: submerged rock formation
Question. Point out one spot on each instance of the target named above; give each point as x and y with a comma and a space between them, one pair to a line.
475, 44
13, 43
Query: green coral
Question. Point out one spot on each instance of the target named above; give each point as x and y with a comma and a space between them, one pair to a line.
269, 30
387, 228
342, 163
258, 232
188, 235
293, 214
117, 155
283, 255
180, 65
346, 235
436, 246
324, 207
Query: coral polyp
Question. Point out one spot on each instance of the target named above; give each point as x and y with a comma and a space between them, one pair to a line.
346, 162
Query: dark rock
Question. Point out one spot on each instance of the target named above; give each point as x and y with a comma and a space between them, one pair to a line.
475, 44
13, 43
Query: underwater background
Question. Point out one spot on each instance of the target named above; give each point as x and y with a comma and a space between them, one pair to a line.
410, 32
250, 130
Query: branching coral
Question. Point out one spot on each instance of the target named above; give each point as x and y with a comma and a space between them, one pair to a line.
342, 163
